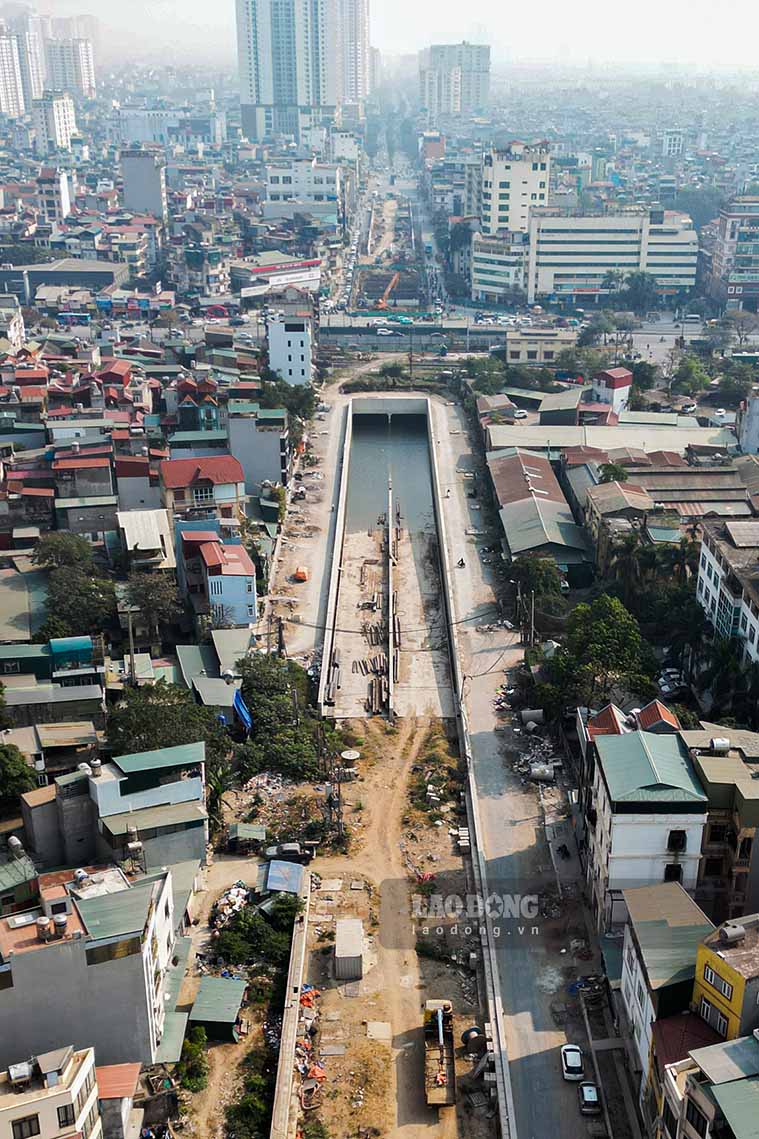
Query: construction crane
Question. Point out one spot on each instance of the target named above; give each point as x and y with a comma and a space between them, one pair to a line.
382, 302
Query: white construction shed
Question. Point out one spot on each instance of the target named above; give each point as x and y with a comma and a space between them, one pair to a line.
349, 949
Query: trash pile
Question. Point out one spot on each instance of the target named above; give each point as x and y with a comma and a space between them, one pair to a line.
307, 1062
272, 1030
230, 903
536, 759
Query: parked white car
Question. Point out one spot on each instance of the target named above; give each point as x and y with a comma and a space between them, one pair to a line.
572, 1062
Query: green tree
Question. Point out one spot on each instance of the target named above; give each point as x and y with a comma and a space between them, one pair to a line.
735, 386
63, 550
722, 675
77, 604
626, 565
690, 376
164, 715
613, 472
644, 375
16, 777
604, 640
155, 595
640, 292
538, 575
744, 324
192, 1070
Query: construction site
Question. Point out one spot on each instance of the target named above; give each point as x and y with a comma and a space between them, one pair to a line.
390, 275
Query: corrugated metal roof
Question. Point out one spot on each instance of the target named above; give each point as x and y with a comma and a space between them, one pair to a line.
196, 660
729, 1061
739, 1103
115, 915
286, 877
171, 814
248, 831
182, 755
218, 1001
117, 1081
642, 767
669, 927
528, 525
16, 871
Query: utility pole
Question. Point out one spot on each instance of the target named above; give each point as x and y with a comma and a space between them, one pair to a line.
532, 617
281, 648
132, 666
411, 352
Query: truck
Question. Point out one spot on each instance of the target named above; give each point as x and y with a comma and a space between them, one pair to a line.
439, 1058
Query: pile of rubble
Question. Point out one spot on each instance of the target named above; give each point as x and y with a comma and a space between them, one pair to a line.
230, 903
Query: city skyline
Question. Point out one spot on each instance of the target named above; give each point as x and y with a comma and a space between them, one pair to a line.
684, 33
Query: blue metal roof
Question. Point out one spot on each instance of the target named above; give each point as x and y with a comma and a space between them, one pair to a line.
285, 877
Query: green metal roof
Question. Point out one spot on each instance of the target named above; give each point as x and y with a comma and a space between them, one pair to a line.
80, 503
729, 1060
196, 436
169, 815
739, 1103
272, 413
116, 915
175, 1023
71, 777
16, 871
247, 831
663, 533
218, 1000
183, 755
644, 767
196, 660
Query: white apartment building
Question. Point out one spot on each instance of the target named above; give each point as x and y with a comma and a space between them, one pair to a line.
726, 587
290, 65
305, 180
54, 122
290, 336
53, 1095
498, 266
673, 143
31, 57
571, 256
353, 18
71, 66
454, 79
89, 964
645, 819
144, 175
53, 194
514, 182
11, 86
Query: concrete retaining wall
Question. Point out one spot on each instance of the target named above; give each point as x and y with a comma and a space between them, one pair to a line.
330, 612
490, 964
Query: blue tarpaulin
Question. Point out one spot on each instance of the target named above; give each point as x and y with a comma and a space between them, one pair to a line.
286, 877
241, 708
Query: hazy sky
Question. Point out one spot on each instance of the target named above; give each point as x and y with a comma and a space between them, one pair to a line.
648, 31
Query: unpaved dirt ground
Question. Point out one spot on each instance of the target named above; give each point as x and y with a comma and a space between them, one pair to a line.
379, 1083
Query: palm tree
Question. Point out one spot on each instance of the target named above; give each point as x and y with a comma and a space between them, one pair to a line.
218, 783
722, 675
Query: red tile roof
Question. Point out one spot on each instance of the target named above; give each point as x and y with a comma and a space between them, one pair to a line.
230, 561
81, 464
133, 466
615, 378
657, 713
117, 1081
608, 722
675, 1036
215, 469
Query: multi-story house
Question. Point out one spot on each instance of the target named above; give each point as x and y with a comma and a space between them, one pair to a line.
726, 984
515, 181
53, 1095
663, 932
645, 819
727, 588
220, 580
711, 1093
734, 270
727, 763
203, 487
90, 966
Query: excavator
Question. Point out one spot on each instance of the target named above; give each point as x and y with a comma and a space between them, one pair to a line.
382, 302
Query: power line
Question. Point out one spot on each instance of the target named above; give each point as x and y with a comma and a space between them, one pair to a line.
359, 632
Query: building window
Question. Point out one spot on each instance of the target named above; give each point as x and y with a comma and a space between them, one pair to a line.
669, 1119
673, 872
26, 1127
696, 1118
717, 832
717, 982
720, 1024
249, 585
251, 611
677, 840
713, 868
66, 1115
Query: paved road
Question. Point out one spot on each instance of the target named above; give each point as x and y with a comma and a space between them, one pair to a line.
517, 854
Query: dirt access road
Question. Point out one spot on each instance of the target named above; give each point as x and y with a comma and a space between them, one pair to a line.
399, 982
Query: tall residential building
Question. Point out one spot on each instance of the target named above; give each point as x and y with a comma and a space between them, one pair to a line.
573, 256
11, 85
514, 182
29, 30
54, 122
71, 66
454, 79
353, 18
734, 276
144, 174
289, 65
53, 194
